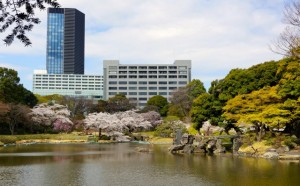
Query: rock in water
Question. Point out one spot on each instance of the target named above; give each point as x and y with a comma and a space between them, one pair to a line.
175, 148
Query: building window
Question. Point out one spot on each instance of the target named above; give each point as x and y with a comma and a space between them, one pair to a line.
112, 72
163, 83
132, 88
123, 82
152, 76
132, 67
122, 72
132, 76
122, 76
142, 67
153, 67
172, 67
122, 67
172, 88
143, 99
182, 82
143, 82
112, 76
142, 76
162, 67
182, 67
172, 76
152, 82
152, 88
112, 82
112, 88
152, 93
162, 88
124, 93
182, 72
142, 93
122, 88
172, 82
132, 82
142, 88
182, 76
143, 72
132, 93
163, 76
112, 93
163, 93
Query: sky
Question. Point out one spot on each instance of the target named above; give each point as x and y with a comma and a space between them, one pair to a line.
217, 35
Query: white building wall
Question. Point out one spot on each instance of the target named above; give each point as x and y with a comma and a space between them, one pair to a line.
75, 85
139, 82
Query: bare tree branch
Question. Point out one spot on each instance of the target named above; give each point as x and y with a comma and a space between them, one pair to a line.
288, 42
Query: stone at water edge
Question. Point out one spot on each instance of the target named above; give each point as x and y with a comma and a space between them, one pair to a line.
271, 155
188, 149
175, 148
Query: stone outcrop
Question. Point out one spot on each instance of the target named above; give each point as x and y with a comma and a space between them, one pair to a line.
199, 144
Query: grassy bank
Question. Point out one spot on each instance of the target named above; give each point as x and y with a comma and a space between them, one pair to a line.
156, 139
8, 139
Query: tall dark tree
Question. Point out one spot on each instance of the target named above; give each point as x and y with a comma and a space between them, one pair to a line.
118, 103
159, 104
182, 98
20, 14
13, 92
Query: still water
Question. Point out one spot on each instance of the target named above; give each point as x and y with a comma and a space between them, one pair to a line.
121, 164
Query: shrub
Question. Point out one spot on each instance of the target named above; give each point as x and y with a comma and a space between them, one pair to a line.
290, 141
169, 126
192, 130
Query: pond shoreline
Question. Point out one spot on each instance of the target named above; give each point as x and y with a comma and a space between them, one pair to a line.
287, 156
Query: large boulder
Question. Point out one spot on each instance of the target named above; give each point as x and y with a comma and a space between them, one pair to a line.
219, 147
271, 155
188, 149
236, 144
176, 148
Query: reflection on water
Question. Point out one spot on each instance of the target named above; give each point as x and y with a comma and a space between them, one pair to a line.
121, 164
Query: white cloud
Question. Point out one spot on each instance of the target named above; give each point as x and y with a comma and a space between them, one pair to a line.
216, 35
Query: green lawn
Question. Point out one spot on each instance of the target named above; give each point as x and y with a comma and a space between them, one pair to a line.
7, 139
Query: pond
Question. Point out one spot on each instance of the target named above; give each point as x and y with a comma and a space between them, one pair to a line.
122, 164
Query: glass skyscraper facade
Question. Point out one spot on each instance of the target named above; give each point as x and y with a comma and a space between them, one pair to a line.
55, 42
65, 41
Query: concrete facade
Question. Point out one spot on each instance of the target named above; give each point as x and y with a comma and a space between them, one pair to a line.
74, 85
139, 82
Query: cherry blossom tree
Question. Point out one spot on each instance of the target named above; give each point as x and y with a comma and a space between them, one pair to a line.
128, 121
53, 116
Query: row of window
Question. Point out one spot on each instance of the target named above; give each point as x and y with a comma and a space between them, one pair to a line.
146, 82
141, 94
148, 67
141, 88
145, 76
148, 72
66, 88
70, 85
68, 76
69, 82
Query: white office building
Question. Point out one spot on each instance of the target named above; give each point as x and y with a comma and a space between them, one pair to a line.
139, 82
74, 85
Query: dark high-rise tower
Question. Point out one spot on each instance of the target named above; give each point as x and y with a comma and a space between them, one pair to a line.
65, 41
